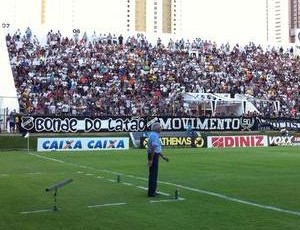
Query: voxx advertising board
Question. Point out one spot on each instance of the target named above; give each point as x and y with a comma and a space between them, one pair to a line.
292, 140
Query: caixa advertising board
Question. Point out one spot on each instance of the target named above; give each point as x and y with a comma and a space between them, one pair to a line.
237, 141
83, 144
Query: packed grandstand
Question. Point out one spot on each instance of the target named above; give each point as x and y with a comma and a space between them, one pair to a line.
109, 75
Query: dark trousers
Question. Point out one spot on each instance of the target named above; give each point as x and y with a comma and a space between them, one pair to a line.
153, 173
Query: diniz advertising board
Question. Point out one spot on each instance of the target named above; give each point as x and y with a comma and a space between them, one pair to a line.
134, 124
82, 144
237, 141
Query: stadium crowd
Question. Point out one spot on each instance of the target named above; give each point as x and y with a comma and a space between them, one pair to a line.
111, 75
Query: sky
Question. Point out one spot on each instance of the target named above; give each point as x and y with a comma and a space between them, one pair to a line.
217, 20
241, 20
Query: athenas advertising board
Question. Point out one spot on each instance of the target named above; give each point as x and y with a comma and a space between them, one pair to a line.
237, 141
82, 144
192, 142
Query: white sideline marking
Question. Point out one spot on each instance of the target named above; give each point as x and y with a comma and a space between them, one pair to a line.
37, 211
4, 175
221, 196
100, 177
89, 174
224, 197
125, 183
29, 173
110, 180
106, 205
34, 173
47, 158
141, 187
159, 201
168, 200
163, 193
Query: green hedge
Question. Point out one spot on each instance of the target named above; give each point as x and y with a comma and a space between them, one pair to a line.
17, 142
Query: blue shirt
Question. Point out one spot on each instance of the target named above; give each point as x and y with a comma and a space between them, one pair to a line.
154, 144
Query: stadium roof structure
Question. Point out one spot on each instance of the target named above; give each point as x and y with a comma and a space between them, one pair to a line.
223, 103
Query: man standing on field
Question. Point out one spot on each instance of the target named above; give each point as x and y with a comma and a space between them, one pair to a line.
154, 152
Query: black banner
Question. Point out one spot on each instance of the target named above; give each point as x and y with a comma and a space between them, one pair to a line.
279, 124
135, 124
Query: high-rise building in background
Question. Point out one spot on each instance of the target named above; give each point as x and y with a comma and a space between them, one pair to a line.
140, 16
150, 16
294, 17
154, 16
282, 17
277, 21
283, 21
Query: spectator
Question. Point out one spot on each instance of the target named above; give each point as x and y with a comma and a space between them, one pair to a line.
104, 77
12, 121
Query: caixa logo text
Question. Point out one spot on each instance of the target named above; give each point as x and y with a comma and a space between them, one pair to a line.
82, 145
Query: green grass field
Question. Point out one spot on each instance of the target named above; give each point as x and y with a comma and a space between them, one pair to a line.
243, 188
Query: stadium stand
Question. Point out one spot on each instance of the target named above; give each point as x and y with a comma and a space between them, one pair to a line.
110, 75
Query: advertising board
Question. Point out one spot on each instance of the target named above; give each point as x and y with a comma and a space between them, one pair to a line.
192, 142
82, 144
237, 141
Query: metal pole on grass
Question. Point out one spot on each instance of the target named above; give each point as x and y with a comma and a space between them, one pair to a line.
28, 143
27, 137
